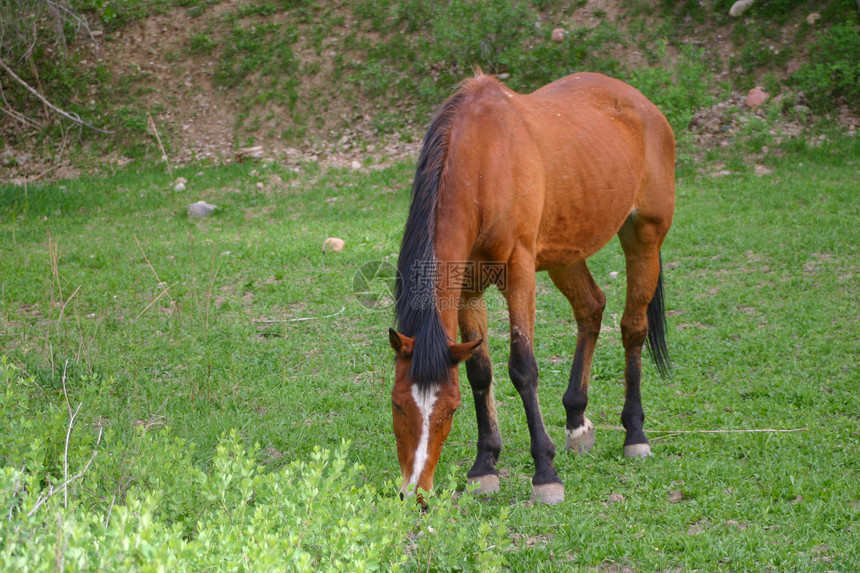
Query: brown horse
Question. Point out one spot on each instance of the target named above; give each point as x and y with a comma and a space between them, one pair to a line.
507, 185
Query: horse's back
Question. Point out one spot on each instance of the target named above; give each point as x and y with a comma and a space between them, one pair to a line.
564, 166
611, 152
597, 117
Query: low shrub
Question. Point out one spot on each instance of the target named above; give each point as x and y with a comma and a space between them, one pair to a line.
320, 514
678, 89
832, 76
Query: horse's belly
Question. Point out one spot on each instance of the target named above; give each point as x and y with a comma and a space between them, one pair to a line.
580, 218
554, 254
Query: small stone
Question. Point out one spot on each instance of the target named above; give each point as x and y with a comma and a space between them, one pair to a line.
613, 275
180, 184
255, 152
756, 97
333, 244
200, 209
557, 35
740, 7
260, 185
355, 165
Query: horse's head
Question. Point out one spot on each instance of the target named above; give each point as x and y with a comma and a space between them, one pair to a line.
422, 413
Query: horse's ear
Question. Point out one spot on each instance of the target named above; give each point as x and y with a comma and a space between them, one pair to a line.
402, 345
461, 352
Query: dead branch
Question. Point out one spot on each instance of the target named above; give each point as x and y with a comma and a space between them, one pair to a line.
72, 116
81, 22
7, 109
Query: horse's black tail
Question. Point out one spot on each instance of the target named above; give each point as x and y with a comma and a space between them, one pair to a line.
657, 329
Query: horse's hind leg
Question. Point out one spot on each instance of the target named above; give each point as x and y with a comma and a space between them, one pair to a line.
473, 327
640, 239
588, 301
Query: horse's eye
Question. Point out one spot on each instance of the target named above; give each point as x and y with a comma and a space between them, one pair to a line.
396, 407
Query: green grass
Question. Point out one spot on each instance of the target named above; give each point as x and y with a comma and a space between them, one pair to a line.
761, 278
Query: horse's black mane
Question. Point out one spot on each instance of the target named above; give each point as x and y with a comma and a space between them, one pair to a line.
415, 290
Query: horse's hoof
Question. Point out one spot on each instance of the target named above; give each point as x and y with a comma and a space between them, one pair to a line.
637, 451
486, 484
581, 439
548, 493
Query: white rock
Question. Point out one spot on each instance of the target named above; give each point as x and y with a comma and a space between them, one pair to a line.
200, 209
356, 165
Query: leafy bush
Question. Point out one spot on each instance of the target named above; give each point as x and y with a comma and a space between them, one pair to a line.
315, 515
678, 90
832, 76
583, 49
479, 33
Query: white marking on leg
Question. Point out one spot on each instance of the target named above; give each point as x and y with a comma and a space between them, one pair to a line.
491, 402
425, 402
574, 435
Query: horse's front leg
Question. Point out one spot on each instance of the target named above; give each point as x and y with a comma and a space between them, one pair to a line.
479, 369
520, 295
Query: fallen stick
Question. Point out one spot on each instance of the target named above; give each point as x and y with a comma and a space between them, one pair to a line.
279, 320
620, 429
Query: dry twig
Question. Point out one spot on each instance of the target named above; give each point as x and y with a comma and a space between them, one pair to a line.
280, 320
151, 123
53, 491
164, 292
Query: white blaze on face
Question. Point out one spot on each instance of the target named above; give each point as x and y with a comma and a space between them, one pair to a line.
425, 402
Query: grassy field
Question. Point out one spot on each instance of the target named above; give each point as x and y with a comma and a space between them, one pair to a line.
194, 328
